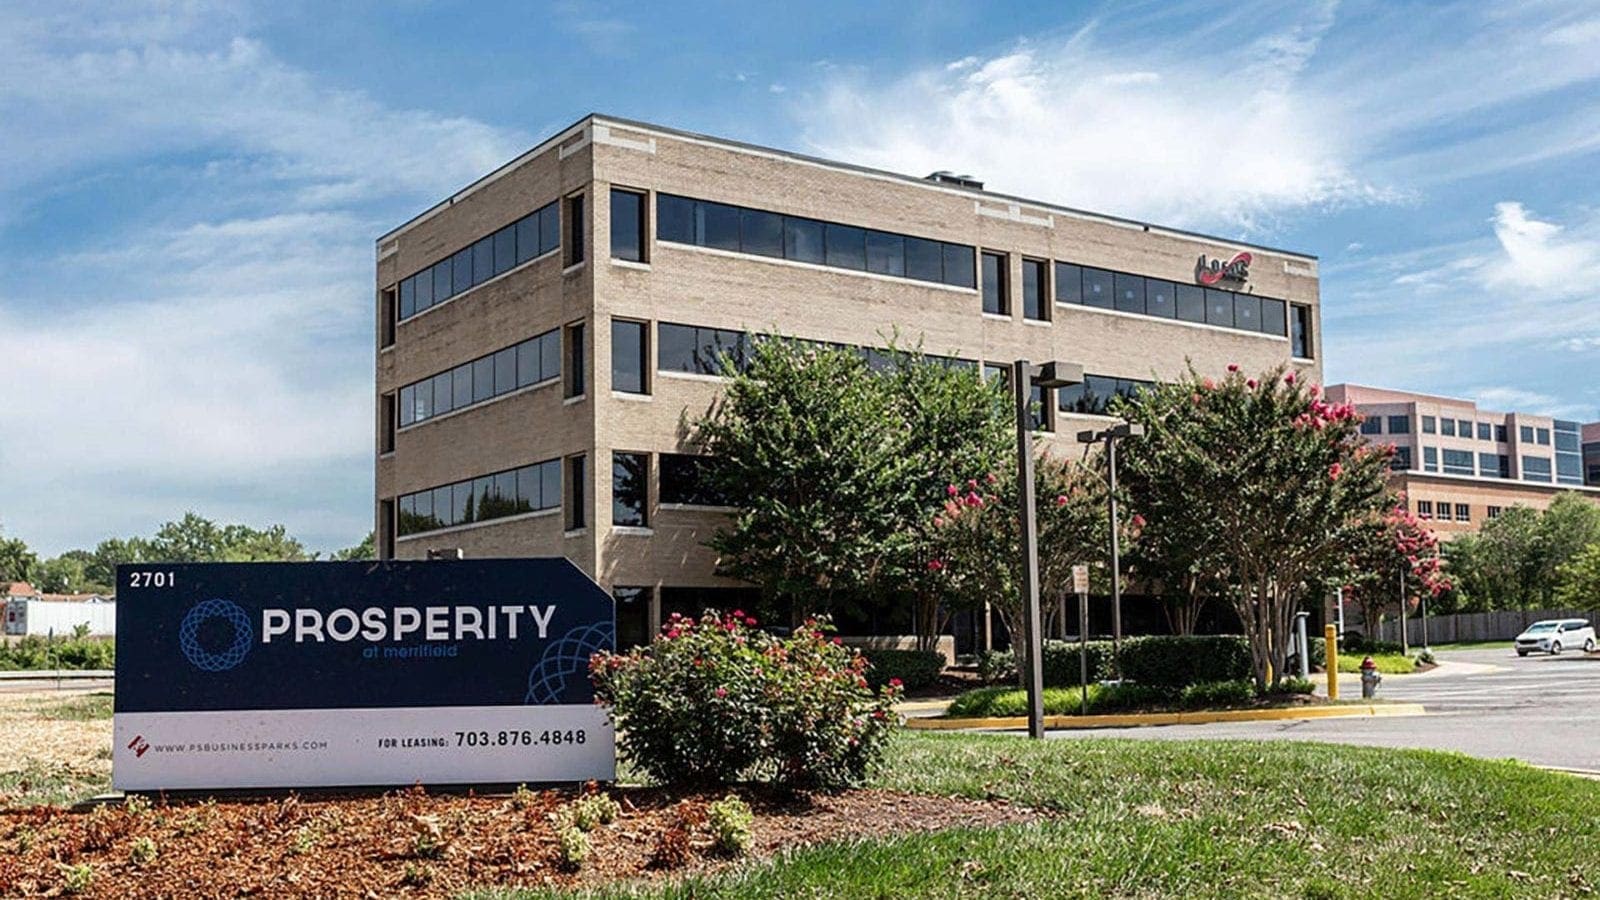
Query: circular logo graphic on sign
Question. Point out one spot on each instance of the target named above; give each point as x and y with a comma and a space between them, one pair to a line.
566, 657
202, 615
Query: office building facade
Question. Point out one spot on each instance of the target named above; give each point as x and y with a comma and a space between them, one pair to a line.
545, 334
1461, 466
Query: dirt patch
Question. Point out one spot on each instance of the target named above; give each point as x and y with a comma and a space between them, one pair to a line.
54, 746
414, 844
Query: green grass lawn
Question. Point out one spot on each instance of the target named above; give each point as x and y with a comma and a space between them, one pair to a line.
82, 708
1388, 663
1202, 819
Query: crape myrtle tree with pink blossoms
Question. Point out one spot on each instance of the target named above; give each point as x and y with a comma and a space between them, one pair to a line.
980, 542
1391, 556
832, 463
1280, 481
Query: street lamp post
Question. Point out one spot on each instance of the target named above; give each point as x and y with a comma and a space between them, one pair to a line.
1025, 376
1111, 436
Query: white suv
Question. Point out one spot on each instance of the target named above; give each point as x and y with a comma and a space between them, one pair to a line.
1555, 635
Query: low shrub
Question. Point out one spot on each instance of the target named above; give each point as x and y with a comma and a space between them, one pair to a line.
916, 669
1356, 642
731, 820
1217, 694
1178, 661
574, 848
1290, 687
1061, 664
1426, 658
1157, 660
715, 701
36, 652
142, 852
1009, 702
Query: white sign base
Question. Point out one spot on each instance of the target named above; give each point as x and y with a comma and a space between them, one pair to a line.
361, 747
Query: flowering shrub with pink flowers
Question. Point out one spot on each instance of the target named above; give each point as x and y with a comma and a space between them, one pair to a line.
978, 536
716, 700
1256, 487
1395, 550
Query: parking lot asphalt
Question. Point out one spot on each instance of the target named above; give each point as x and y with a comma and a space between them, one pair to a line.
1543, 710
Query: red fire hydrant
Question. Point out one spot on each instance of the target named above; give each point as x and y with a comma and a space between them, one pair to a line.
1369, 678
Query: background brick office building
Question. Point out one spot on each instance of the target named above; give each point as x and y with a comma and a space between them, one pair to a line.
545, 332
1460, 465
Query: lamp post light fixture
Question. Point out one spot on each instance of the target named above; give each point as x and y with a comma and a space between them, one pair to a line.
1111, 436
1024, 377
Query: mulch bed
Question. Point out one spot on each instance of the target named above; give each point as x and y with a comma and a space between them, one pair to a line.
413, 844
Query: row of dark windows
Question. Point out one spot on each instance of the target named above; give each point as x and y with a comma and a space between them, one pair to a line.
684, 481
1124, 292
1498, 465
538, 487
509, 493
1428, 509
741, 229
1397, 425
721, 226
530, 237
698, 350
1450, 427
533, 361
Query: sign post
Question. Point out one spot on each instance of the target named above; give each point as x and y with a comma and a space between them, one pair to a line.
1080, 586
334, 674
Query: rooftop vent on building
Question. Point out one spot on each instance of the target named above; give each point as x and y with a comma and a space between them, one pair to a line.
966, 181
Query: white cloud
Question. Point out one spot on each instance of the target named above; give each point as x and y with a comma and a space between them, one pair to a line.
1198, 138
1495, 306
214, 355
1258, 113
1512, 399
1538, 254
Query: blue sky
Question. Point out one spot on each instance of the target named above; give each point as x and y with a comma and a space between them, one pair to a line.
189, 191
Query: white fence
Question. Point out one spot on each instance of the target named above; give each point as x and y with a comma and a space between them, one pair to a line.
26, 616
1489, 626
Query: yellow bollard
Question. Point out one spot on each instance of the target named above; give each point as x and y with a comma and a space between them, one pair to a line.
1331, 639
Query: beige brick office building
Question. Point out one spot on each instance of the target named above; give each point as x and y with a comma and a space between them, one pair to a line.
545, 333
1461, 466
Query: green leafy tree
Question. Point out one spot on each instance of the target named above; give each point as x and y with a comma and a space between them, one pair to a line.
1501, 565
807, 448
17, 562
979, 528
68, 574
364, 550
832, 460
955, 425
1578, 583
1289, 482
112, 552
1568, 527
1176, 551
195, 538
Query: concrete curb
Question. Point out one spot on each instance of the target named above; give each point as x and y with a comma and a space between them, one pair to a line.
1134, 720
58, 674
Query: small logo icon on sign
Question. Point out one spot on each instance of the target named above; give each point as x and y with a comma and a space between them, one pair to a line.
201, 653
138, 745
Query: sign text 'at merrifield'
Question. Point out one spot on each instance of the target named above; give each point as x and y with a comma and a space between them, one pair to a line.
325, 674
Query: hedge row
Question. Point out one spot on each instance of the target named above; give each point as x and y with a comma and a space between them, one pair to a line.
35, 652
1156, 661
915, 668
1002, 702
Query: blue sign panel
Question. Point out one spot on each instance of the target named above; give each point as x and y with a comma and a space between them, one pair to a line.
451, 649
